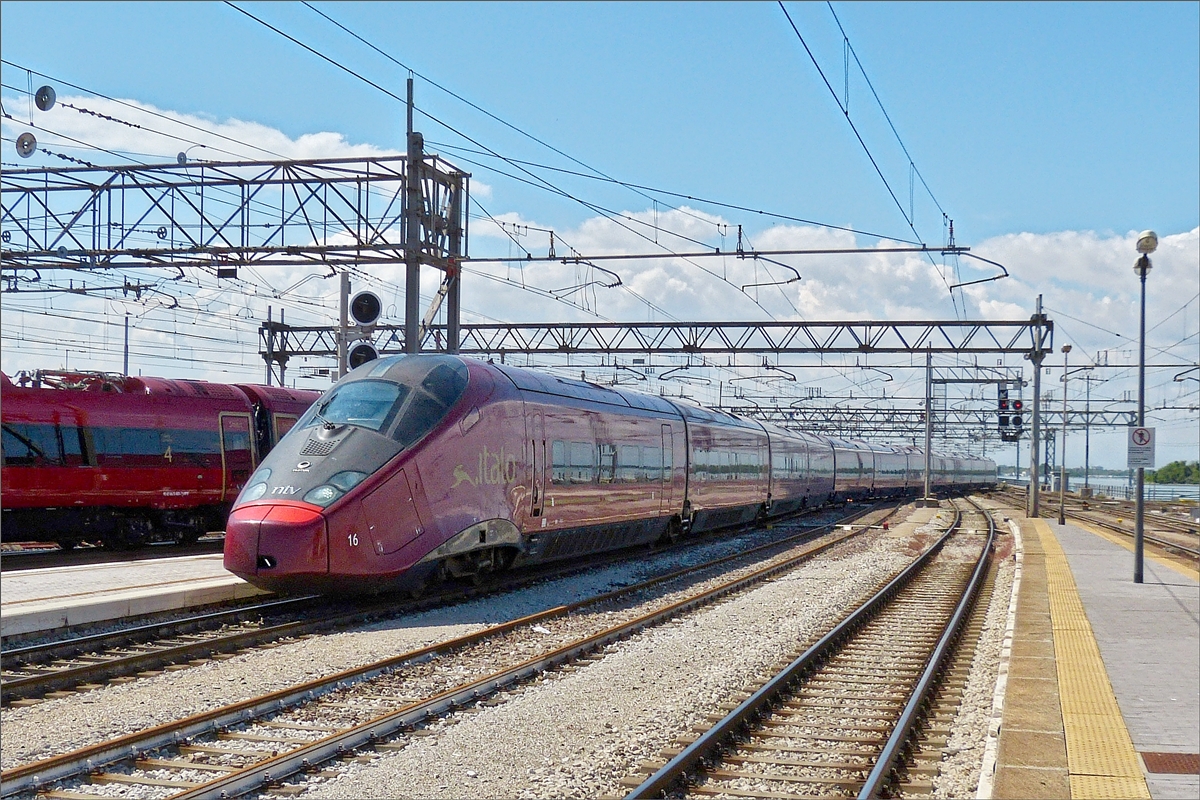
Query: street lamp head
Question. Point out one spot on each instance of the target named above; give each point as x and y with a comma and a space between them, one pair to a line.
1066, 348
1147, 242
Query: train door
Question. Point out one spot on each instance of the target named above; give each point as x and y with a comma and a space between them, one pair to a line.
537, 462
237, 454
668, 476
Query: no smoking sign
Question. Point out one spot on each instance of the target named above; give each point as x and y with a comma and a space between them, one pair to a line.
1141, 448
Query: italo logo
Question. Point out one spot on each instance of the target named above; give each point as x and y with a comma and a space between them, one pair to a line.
491, 468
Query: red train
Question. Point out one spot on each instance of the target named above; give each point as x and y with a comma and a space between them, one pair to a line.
124, 460
418, 468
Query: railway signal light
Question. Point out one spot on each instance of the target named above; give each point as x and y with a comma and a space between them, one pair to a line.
1002, 407
360, 354
1017, 408
365, 308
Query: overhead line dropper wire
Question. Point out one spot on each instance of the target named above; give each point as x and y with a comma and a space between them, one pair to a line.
886, 116
549, 186
857, 135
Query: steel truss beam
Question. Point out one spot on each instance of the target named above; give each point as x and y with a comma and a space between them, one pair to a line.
951, 422
323, 212
961, 337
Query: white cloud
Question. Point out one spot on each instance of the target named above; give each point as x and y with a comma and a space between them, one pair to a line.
1085, 278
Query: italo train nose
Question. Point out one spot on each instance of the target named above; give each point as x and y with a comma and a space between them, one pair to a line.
286, 541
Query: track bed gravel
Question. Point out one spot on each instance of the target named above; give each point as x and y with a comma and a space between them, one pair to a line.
64, 724
577, 733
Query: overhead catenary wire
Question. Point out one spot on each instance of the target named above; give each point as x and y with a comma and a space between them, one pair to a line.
861, 141
546, 184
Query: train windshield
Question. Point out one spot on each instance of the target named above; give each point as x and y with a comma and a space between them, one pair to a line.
365, 404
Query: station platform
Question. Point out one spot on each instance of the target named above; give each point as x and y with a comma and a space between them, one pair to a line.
42, 600
1101, 689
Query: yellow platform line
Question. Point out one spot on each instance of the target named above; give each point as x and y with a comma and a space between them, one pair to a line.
1101, 759
1183, 569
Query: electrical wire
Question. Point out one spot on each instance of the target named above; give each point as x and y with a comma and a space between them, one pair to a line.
853, 127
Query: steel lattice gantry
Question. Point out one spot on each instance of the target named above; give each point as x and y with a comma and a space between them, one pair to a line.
963, 337
328, 212
860, 421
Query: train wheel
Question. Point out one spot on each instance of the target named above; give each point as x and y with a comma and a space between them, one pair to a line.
130, 532
187, 536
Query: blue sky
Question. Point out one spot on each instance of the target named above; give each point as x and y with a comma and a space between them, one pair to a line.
1030, 117
1049, 132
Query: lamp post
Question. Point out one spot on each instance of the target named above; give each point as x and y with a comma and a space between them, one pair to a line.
1062, 452
1147, 243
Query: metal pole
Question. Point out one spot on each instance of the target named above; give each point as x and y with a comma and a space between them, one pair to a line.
125, 370
270, 356
1036, 428
412, 233
1062, 452
928, 417
344, 324
1087, 437
282, 357
1139, 518
453, 299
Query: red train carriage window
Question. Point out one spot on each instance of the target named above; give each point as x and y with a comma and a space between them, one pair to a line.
30, 445
283, 424
235, 443
143, 447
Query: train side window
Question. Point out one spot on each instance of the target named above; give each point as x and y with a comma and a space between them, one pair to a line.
629, 463
72, 446
195, 448
283, 424
608, 462
558, 460
583, 467
420, 415
30, 445
651, 464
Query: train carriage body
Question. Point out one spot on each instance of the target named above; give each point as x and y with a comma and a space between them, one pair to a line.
123, 460
428, 467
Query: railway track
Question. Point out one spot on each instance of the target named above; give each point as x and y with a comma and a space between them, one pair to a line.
253, 744
58, 669
32, 555
1175, 536
848, 714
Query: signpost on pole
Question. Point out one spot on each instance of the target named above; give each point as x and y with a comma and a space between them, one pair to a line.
1141, 458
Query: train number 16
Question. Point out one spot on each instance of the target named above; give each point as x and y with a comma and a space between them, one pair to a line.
353, 539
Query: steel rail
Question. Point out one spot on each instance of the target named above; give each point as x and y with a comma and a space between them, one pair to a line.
67, 677
901, 733
29, 777
1166, 544
691, 757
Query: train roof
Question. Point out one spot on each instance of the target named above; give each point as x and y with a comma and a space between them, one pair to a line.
545, 383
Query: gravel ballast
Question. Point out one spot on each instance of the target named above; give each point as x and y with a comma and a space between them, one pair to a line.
577, 734
64, 724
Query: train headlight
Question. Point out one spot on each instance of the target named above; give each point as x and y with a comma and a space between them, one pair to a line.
253, 492
261, 475
323, 495
347, 480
